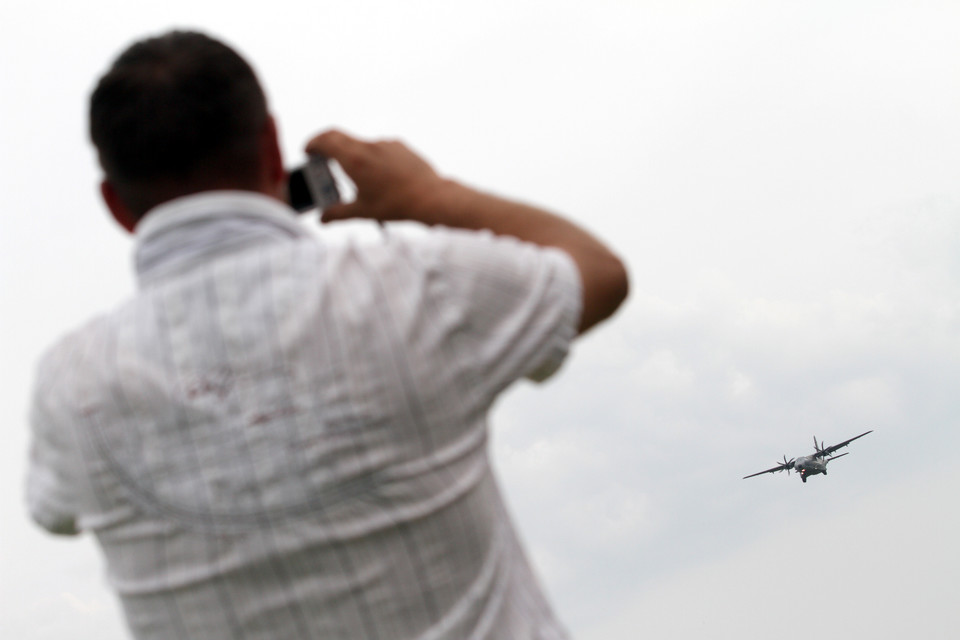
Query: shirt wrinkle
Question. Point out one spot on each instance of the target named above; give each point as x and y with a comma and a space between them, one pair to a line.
287, 443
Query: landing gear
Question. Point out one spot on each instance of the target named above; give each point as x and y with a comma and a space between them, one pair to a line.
803, 475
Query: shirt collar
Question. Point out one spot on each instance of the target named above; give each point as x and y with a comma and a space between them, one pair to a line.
182, 232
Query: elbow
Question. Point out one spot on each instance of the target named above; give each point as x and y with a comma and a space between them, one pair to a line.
604, 291
617, 285
53, 519
57, 525
619, 282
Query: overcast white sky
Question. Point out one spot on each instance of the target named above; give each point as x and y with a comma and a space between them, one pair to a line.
782, 178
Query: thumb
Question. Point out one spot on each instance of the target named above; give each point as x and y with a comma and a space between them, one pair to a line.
340, 211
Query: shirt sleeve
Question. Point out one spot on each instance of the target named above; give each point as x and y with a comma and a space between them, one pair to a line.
51, 468
520, 303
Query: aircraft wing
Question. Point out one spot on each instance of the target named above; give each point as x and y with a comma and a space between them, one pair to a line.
826, 451
789, 465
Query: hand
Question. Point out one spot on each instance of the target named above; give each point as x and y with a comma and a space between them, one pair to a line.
390, 178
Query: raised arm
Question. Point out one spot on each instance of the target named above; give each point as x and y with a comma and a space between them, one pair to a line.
394, 183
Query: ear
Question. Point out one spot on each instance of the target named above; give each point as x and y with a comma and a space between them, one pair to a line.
274, 174
121, 213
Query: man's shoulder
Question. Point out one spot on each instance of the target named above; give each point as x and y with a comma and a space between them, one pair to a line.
77, 346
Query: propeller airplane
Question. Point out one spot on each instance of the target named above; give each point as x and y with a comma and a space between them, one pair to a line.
814, 463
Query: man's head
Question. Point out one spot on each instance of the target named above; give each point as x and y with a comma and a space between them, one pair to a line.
177, 114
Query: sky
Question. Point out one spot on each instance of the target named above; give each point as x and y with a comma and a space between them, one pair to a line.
783, 181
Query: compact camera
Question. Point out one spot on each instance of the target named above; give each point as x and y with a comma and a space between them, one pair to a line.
312, 185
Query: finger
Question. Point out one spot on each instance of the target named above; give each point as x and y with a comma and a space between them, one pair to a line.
333, 143
342, 211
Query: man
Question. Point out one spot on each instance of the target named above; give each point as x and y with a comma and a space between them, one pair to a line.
280, 438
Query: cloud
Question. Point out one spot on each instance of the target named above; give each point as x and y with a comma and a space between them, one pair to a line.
872, 567
627, 469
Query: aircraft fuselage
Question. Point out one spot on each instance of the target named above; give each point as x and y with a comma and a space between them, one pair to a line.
809, 466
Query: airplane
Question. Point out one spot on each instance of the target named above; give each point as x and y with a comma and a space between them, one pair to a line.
814, 463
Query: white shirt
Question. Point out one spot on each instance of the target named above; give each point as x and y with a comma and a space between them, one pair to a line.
278, 438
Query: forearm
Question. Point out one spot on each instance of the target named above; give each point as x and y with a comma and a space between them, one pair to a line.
604, 278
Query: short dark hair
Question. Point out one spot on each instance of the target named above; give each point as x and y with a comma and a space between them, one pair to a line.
177, 108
